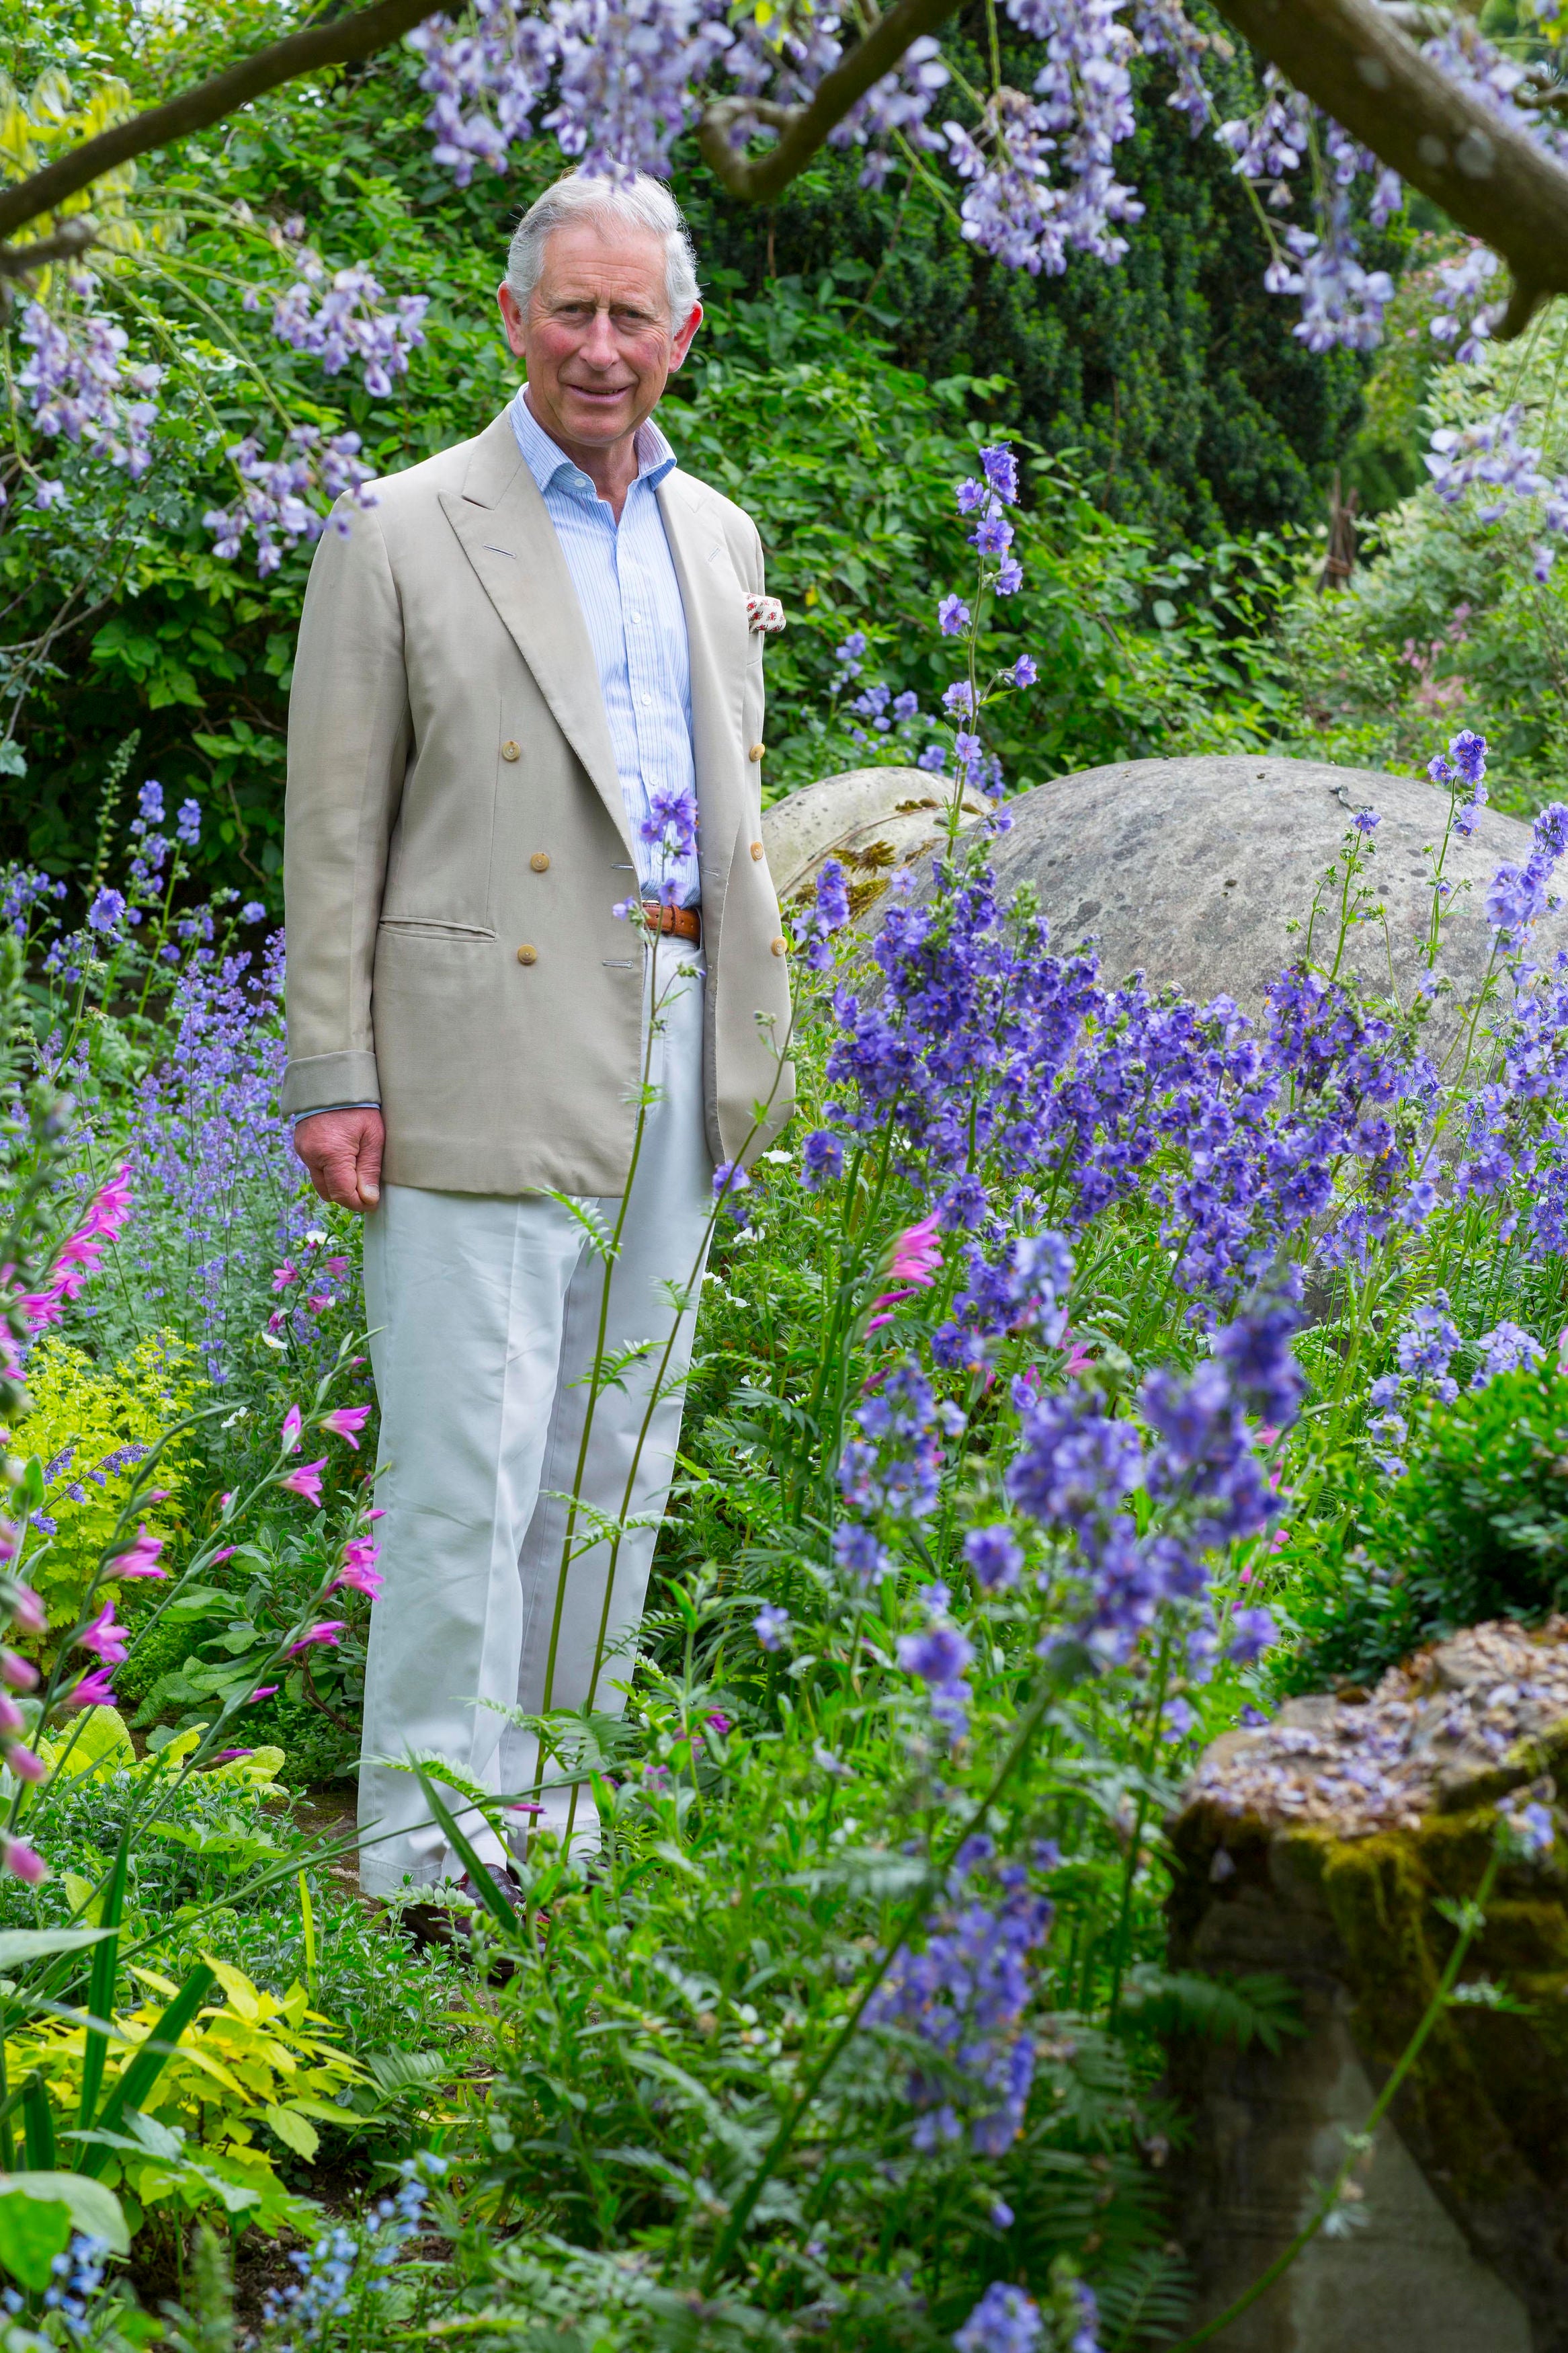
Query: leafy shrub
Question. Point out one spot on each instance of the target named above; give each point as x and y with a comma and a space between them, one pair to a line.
251, 2076
1476, 1528
91, 1425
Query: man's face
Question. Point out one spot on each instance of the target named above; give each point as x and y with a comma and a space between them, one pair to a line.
596, 338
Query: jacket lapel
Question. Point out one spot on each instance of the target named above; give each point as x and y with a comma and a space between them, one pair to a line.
508, 536
716, 629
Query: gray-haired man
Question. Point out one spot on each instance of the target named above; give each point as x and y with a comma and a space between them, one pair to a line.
503, 664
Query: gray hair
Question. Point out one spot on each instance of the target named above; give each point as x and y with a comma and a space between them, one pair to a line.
640, 203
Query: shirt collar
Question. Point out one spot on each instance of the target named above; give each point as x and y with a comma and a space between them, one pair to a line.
546, 461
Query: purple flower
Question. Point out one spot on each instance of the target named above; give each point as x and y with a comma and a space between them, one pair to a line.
1504, 1350
253, 911
730, 1182
823, 1160
1001, 472
1025, 671
771, 1626
188, 824
941, 1654
150, 801
859, 1554
1010, 577
1252, 1632
1367, 821
106, 911
971, 496
993, 535
994, 1556
952, 616
1005, 2320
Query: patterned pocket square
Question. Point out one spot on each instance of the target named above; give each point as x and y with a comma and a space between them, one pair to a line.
764, 613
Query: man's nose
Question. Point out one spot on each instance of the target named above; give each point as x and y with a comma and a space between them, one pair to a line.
600, 348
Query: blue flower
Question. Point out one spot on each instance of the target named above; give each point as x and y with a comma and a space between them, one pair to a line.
188, 824
1252, 1632
1005, 2320
150, 801
106, 911
1025, 671
934, 759
994, 1556
823, 1160
1010, 578
952, 616
973, 496
993, 535
859, 1554
1001, 472
771, 1626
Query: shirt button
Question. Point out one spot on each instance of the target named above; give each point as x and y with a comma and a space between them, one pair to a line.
527, 955
756, 849
756, 751
540, 861
781, 947
511, 751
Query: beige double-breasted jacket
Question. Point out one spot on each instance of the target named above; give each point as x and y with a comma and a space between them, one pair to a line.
456, 842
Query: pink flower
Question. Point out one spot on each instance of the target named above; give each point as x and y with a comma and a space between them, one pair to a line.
29, 1610
305, 1480
225, 1553
290, 1433
79, 1255
337, 1266
717, 1723
228, 1756
359, 1571
1079, 1361
329, 1631
1247, 1577
917, 1254
24, 1862
94, 1689
282, 1276
1281, 1536
24, 1763
20, 1674
141, 1560
104, 1637
225, 1501
13, 1723
347, 1421
276, 1321
10, 1539
1562, 1351
318, 1301
262, 1691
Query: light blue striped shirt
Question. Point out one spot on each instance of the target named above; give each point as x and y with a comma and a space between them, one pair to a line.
625, 583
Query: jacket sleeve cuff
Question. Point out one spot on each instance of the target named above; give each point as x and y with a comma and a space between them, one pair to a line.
314, 1081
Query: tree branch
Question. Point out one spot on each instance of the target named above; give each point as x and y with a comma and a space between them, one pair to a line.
332, 43
803, 128
1351, 57
72, 237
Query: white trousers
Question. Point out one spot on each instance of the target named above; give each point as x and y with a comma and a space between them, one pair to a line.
486, 1317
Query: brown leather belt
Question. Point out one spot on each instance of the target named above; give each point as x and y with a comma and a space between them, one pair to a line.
686, 923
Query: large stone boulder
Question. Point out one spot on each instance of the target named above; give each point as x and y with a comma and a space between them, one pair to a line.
1319, 1847
1200, 873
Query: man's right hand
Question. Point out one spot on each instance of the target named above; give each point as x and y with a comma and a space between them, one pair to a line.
342, 1151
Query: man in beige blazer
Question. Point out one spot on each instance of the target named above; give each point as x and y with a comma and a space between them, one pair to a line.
518, 671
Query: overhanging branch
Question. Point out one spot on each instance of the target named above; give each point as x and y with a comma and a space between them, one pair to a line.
804, 128
1351, 58
336, 42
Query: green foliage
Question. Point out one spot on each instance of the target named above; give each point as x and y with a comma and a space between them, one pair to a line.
90, 1424
1476, 1528
1445, 625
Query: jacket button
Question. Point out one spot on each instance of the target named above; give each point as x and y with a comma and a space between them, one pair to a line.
527, 955
756, 849
540, 861
757, 750
509, 751
781, 947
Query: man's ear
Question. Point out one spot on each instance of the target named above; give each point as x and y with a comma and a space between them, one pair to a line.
684, 335
512, 318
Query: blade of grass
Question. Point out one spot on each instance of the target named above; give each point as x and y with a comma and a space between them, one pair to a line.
100, 1984
149, 2063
